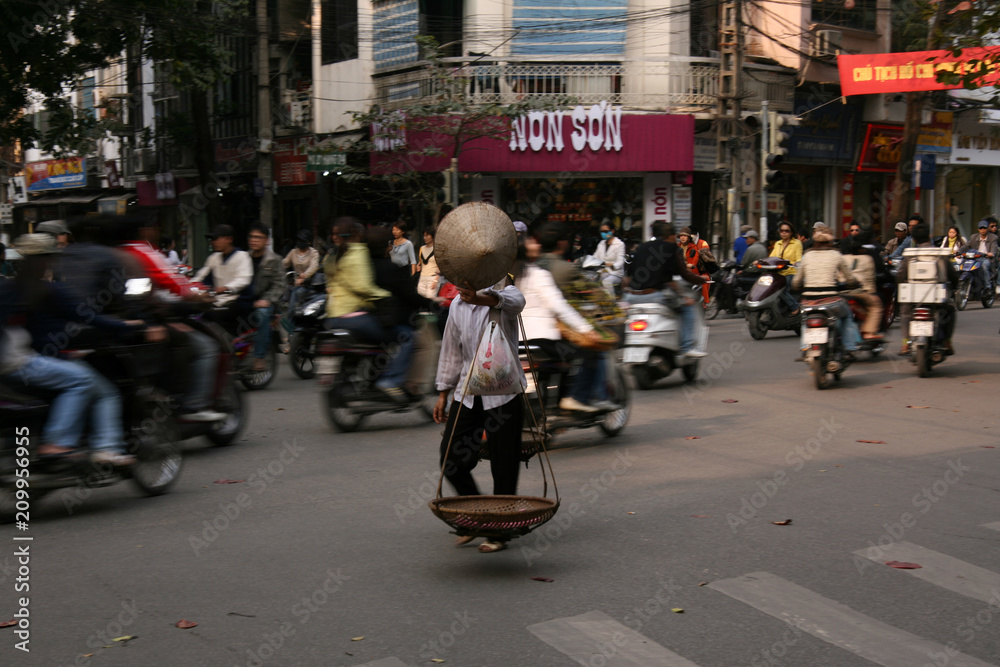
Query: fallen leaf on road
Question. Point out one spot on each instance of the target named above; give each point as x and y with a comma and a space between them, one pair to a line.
836, 466
228, 481
899, 565
186, 625
436, 660
677, 610
730, 400
357, 639
702, 516
782, 523
823, 470
236, 613
124, 638
987, 446
692, 437
8, 624
919, 407
276, 409
545, 579
874, 442
704, 583
631, 512
87, 655
889, 387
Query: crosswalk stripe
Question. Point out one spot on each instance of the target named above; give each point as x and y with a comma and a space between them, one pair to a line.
837, 623
992, 526
586, 637
941, 570
385, 662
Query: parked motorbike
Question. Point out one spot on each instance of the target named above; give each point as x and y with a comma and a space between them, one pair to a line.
973, 281
149, 432
553, 376
346, 370
765, 309
653, 342
821, 344
307, 319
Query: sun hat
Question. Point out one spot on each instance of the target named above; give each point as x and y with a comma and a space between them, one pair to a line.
54, 227
36, 244
822, 235
475, 244
901, 227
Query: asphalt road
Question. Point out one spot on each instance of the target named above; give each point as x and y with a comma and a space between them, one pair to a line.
664, 552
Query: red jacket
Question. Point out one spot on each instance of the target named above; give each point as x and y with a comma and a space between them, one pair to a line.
156, 268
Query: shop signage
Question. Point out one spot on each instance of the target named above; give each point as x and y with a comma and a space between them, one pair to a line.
599, 127
325, 161
18, 190
868, 74
486, 189
657, 198
706, 152
6, 214
682, 206
935, 137
165, 187
975, 144
56, 174
111, 173
291, 159
827, 134
882, 147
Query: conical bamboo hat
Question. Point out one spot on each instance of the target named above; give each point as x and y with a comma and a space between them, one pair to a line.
476, 244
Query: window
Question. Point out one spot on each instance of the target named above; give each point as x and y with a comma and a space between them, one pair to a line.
87, 96
862, 16
340, 30
569, 27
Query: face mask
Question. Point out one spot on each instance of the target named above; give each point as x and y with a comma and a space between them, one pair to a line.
606, 235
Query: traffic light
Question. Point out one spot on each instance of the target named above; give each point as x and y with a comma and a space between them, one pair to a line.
772, 174
778, 135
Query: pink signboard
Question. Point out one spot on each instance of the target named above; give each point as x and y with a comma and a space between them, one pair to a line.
600, 139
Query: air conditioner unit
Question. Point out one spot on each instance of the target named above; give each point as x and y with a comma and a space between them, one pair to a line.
144, 161
828, 43
297, 108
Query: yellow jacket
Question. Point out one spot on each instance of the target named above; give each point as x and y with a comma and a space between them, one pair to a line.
353, 285
792, 251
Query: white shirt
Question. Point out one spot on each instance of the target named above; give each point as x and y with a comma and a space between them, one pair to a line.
612, 250
172, 258
236, 273
545, 305
466, 324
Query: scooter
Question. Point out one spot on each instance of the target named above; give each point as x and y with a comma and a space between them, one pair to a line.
148, 434
307, 318
553, 377
929, 299
821, 344
973, 280
346, 370
729, 290
653, 342
765, 309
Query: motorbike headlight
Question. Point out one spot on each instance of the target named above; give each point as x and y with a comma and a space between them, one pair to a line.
766, 280
312, 308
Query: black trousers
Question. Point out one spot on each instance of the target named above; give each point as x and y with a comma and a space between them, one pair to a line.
503, 429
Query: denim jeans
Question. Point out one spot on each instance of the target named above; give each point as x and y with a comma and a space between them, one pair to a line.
261, 319
591, 381
79, 387
396, 341
849, 332
689, 318
201, 379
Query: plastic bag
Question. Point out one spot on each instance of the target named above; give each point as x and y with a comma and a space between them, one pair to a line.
496, 370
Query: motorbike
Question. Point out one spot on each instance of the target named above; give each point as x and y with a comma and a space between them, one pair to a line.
149, 432
346, 370
973, 281
929, 299
765, 309
729, 290
653, 341
821, 344
553, 375
307, 320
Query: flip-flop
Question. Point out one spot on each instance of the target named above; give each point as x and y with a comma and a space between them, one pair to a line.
489, 547
463, 540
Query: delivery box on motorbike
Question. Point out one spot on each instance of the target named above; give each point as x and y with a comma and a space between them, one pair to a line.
924, 280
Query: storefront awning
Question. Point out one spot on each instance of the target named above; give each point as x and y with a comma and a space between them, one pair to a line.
117, 205
53, 200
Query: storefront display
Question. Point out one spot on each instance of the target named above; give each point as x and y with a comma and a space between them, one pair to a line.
580, 202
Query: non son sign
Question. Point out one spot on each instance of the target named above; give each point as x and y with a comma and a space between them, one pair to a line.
598, 127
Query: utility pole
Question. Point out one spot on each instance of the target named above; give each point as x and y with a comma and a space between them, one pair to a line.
765, 147
265, 134
728, 133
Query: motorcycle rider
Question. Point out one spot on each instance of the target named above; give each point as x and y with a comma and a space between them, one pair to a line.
651, 280
554, 245
230, 271
266, 290
692, 247
863, 266
985, 243
946, 274
790, 248
304, 260
901, 232
755, 251
821, 270
912, 222
611, 251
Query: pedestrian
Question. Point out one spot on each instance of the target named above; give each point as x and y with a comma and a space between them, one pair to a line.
402, 249
430, 276
500, 417
740, 245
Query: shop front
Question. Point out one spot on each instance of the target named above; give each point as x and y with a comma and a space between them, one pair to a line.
973, 177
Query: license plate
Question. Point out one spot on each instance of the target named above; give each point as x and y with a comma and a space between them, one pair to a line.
635, 355
327, 365
816, 336
921, 329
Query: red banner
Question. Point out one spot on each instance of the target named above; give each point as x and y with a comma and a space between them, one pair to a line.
872, 73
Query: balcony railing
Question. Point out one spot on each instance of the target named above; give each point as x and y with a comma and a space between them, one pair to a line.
678, 86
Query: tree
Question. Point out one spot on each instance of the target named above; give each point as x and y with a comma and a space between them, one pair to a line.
450, 112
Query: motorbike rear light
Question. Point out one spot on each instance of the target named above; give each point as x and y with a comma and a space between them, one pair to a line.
922, 314
638, 325
816, 322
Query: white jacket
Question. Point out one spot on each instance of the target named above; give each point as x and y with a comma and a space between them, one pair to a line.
236, 273
545, 304
612, 251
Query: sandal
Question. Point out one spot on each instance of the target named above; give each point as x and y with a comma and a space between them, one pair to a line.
463, 540
489, 546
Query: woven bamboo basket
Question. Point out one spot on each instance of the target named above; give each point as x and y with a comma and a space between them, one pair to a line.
494, 517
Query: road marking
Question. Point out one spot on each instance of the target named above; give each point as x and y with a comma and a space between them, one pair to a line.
385, 662
589, 636
837, 623
992, 526
941, 570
